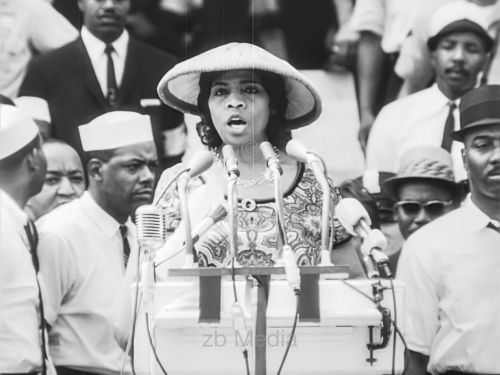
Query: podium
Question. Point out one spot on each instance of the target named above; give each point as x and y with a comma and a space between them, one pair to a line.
192, 325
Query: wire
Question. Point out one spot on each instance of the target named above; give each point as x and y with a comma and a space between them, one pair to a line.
394, 324
245, 355
394, 337
170, 184
289, 344
131, 338
153, 346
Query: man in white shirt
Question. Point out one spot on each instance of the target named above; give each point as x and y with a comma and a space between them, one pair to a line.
22, 172
103, 70
85, 245
451, 266
459, 44
29, 28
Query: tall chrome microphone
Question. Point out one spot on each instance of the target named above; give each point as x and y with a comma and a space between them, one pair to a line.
287, 254
231, 165
152, 234
200, 162
355, 219
298, 151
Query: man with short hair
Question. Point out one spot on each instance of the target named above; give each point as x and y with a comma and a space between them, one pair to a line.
451, 265
459, 44
85, 245
64, 180
103, 70
22, 171
424, 189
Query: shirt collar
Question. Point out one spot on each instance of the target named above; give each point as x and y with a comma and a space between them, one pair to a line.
95, 46
477, 218
441, 98
103, 220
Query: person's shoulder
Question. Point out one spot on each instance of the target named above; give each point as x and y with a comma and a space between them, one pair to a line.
61, 218
51, 58
408, 102
154, 55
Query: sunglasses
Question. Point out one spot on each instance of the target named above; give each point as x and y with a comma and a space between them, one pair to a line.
432, 208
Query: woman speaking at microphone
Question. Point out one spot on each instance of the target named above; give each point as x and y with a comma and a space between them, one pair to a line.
244, 96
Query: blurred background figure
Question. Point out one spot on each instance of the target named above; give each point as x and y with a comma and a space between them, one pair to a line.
424, 189
105, 69
28, 28
64, 179
458, 44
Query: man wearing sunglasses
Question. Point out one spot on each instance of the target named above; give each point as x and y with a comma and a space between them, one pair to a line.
424, 189
451, 266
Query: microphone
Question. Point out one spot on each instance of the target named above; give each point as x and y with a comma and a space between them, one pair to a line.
355, 219
199, 163
151, 227
218, 214
272, 161
299, 152
152, 234
230, 161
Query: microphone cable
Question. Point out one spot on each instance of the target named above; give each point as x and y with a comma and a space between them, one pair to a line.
233, 280
174, 179
393, 322
151, 344
292, 334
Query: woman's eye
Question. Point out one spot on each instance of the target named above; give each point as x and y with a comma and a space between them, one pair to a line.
77, 179
219, 92
251, 90
51, 180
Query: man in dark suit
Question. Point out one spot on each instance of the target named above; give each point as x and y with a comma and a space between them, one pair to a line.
104, 70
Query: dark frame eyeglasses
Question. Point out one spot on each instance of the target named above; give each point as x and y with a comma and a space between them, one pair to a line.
432, 208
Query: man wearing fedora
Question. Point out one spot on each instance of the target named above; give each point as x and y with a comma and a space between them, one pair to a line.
459, 44
423, 189
22, 173
451, 265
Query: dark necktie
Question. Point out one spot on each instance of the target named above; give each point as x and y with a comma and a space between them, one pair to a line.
126, 246
449, 127
32, 235
112, 93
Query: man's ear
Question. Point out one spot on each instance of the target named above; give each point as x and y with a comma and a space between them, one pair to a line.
94, 169
464, 159
33, 159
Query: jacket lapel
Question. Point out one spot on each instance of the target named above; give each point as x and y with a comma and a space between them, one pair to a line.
86, 70
129, 72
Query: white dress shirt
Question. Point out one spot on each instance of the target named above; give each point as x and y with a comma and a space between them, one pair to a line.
451, 268
20, 349
28, 27
415, 120
81, 260
95, 48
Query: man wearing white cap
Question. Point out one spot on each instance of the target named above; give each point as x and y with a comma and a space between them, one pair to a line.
85, 244
22, 172
459, 44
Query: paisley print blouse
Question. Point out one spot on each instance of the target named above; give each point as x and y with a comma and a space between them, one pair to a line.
257, 228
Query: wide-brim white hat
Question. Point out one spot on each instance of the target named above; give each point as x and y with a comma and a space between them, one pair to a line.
180, 86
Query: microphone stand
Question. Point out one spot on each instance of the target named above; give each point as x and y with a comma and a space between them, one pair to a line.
191, 258
232, 198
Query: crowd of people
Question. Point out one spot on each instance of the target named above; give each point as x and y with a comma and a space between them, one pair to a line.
91, 113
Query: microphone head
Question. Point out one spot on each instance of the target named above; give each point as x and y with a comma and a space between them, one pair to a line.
375, 240
151, 226
230, 161
199, 163
297, 150
350, 212
267, 150
219, 213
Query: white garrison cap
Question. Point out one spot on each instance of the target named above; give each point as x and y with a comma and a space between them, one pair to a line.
115, 129
17, 129
37, 108
458, 16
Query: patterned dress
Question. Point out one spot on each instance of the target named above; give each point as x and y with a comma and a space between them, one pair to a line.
257, 228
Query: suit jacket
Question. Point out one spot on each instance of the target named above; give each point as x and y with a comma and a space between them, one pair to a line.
65, 78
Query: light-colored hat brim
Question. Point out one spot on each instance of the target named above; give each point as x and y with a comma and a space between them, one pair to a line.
180, 86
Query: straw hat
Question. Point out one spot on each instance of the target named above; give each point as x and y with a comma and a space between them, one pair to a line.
458, 17
479, 107
179, 88
423, 163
